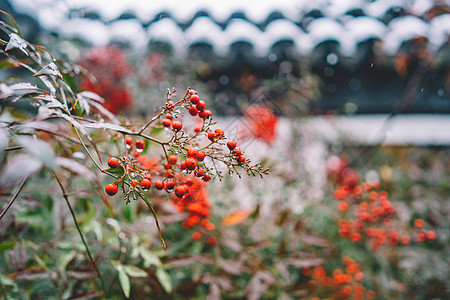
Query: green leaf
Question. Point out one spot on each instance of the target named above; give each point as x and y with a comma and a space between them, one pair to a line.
135, 271
164, 279
40, 149
7, 245
50, 69
109, 126
16, 41
150, 259
118, 171
124, 281
19, 167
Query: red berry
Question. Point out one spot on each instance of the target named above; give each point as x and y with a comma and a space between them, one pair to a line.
169, 173
180, 191
211, 241
231, 144
177, 125
237, 151
148, 176
206, 177
159, 184
203, 114
189, 182
194, 99
200, 105
201, 155
192, 152
146, 183
199, 172
192, 92
170, 105
111, 189
169, 116
196, 236
113, 162
191, 163
129, 140
173, 159
140, 144
169, 184
212, 136
241, 159
183, 165
219, 131
193, 110
198, 128
166, 122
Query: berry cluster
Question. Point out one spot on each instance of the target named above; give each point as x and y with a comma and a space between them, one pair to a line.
372, 217
343, 284
187, 161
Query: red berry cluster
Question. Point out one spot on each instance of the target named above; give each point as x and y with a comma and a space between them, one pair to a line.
187, 162
372, 217
343, 284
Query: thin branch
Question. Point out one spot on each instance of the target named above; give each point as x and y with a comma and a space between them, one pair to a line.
163, 244
81, 234
13, 198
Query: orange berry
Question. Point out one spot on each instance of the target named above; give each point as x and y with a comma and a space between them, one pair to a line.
146, 183
111, 189
419, 223
173, 159
196, 235
231, 144
177, 125
113, 162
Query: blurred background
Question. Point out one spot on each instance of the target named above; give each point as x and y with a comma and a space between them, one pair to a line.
319, 57
329, 94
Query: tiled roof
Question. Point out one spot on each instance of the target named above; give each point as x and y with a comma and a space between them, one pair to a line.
260, 23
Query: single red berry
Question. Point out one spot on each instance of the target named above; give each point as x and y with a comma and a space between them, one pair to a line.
146, 183
169, 184
196, 236
241, 159
194, 99
169, 116
191, 163
208, 113
148, 176
198, 128
166, 122
199, 172
211, 241
111, 189
201, 155
212, 136
167, 166
203, 114
140, 144
159, 184
189, 182
231, 144
418, 223
129, 140
192, 152
169, 173
219, 131
177, 125
173, 159
113, 162
192, 92
206, 177
200, 105
431, 235
136, 153
193, 110
183, 165
237, 151
170, 105
180, 191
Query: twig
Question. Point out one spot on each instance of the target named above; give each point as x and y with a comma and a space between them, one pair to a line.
13, 198
81, 234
